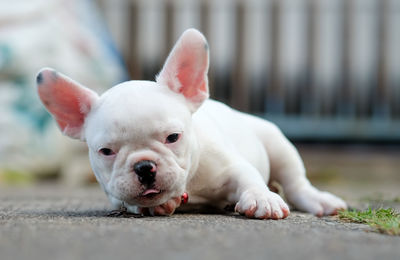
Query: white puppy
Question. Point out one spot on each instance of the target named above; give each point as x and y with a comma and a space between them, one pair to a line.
150, 142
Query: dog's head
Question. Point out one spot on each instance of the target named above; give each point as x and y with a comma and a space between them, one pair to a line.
139, 133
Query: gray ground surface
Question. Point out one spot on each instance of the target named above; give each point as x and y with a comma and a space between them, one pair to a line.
52, 222
55, 222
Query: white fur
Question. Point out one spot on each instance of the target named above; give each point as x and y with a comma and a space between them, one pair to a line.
223, 156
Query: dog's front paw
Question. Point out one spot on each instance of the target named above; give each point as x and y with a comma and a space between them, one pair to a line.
317, 202
166, 209
262, 204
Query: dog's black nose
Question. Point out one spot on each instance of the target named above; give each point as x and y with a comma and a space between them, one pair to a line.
146, 171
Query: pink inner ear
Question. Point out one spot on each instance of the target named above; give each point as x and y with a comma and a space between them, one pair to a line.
185, 70
192, 78
67, 101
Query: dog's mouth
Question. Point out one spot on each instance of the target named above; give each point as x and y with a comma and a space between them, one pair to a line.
150, 193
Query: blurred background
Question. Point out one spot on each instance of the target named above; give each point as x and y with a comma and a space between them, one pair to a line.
327, 72
321, 69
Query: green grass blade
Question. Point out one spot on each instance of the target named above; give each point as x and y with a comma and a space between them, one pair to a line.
386, 221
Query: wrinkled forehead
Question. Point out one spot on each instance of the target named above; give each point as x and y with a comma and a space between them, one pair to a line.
140, 99
137, 108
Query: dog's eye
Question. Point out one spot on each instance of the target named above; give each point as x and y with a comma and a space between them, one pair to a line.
106, 151
172, 138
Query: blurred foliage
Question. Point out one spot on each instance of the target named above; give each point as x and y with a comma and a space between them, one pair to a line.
15, 177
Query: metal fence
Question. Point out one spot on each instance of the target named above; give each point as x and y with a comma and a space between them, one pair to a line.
320, 69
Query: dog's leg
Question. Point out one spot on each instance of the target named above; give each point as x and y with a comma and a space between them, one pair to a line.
287, 168
254, 199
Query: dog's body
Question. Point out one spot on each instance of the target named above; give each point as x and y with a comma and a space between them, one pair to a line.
151, 142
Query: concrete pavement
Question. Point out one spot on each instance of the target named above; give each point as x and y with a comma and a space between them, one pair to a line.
53, 222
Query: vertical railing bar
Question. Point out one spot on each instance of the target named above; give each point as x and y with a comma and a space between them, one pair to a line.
205, 17
393, 71
340, 81
374, 88
345, 108
381, 104
135, 68
169, 26
270, 70
308, 88
275, 101
239, 98
256, 77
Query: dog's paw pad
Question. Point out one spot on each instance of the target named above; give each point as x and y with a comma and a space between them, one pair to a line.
262, 204
317, 202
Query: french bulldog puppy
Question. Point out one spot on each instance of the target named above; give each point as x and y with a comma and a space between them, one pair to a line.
151, 142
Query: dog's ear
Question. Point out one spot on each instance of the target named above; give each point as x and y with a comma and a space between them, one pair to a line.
67, 101
185, 70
